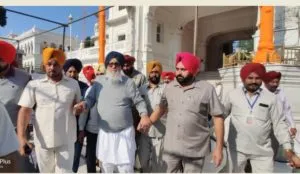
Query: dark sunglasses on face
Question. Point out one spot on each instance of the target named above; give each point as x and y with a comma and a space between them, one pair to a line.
116, 64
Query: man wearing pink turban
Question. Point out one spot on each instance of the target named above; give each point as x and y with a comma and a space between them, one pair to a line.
254, 113
187, 134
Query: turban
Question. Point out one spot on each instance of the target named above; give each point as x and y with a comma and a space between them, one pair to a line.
58, 55
129, 59
249, 68
189, 61
7, 52
152, 64
168, 75
269, 76
89, 73
73, 62
116, 55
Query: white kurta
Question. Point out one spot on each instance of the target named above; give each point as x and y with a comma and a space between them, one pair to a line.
116, 148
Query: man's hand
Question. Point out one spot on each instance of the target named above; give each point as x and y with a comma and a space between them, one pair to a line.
295, 161
23, 143
79, 108
293, 132
144, 124
81, 136
217, 156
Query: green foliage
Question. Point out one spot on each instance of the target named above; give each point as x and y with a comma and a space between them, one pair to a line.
88, 42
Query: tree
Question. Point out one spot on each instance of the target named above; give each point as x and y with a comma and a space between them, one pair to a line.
88, 42
246, 45
2, 16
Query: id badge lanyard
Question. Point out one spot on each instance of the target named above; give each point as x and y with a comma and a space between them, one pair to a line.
251, 106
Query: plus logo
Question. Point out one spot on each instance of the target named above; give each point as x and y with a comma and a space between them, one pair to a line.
4, 162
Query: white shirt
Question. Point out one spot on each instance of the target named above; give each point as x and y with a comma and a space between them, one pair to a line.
286, 107
8, 138
55, 123
250, 127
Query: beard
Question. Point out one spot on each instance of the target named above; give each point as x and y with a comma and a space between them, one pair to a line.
128, 72
272, 88
155, 79
184, 81
114, 77
252, 87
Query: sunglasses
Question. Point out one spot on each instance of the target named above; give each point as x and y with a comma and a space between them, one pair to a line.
116, 64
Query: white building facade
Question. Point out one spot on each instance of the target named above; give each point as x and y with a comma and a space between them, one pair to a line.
32, 43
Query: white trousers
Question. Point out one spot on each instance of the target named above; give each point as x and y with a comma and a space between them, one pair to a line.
121, 168
116, 149
55, 160
259, 164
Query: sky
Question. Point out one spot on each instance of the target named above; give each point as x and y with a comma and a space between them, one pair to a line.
17, 23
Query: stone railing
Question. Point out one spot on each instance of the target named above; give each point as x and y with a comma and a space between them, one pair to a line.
92, 52
288, 55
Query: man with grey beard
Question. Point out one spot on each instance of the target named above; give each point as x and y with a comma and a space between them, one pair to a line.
115, 95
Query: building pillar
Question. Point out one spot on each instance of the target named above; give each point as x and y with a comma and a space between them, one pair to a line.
147, 38
202, 54
131, 29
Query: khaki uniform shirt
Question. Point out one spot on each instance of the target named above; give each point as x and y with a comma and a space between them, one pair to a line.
152, 97
55, 123
187, 131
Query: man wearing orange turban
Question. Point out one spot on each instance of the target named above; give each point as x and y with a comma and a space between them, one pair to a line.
57, 54
255, 113
186, 142
13, 81
55, 122
150, 145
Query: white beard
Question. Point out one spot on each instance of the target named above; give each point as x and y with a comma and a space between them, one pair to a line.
114, 77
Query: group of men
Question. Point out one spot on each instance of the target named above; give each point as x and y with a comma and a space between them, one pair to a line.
132, 121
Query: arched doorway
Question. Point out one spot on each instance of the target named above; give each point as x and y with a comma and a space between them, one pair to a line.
222, 43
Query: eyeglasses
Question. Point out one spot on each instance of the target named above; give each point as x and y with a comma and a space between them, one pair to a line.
116, 64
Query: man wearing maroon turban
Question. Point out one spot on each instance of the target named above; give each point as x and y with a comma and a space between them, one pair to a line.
254, 113
12, 83
187, 133
139, 80
272, 81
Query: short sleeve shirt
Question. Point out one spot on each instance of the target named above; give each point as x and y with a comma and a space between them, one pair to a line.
55, 123
187, 131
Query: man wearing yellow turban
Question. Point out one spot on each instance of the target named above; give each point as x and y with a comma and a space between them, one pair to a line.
150, 145
55, 122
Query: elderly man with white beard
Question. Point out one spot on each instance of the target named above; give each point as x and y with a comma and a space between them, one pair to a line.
115, 94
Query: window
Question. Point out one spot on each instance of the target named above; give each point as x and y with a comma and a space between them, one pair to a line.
121, 37
106, 36
159, 35
121, 7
